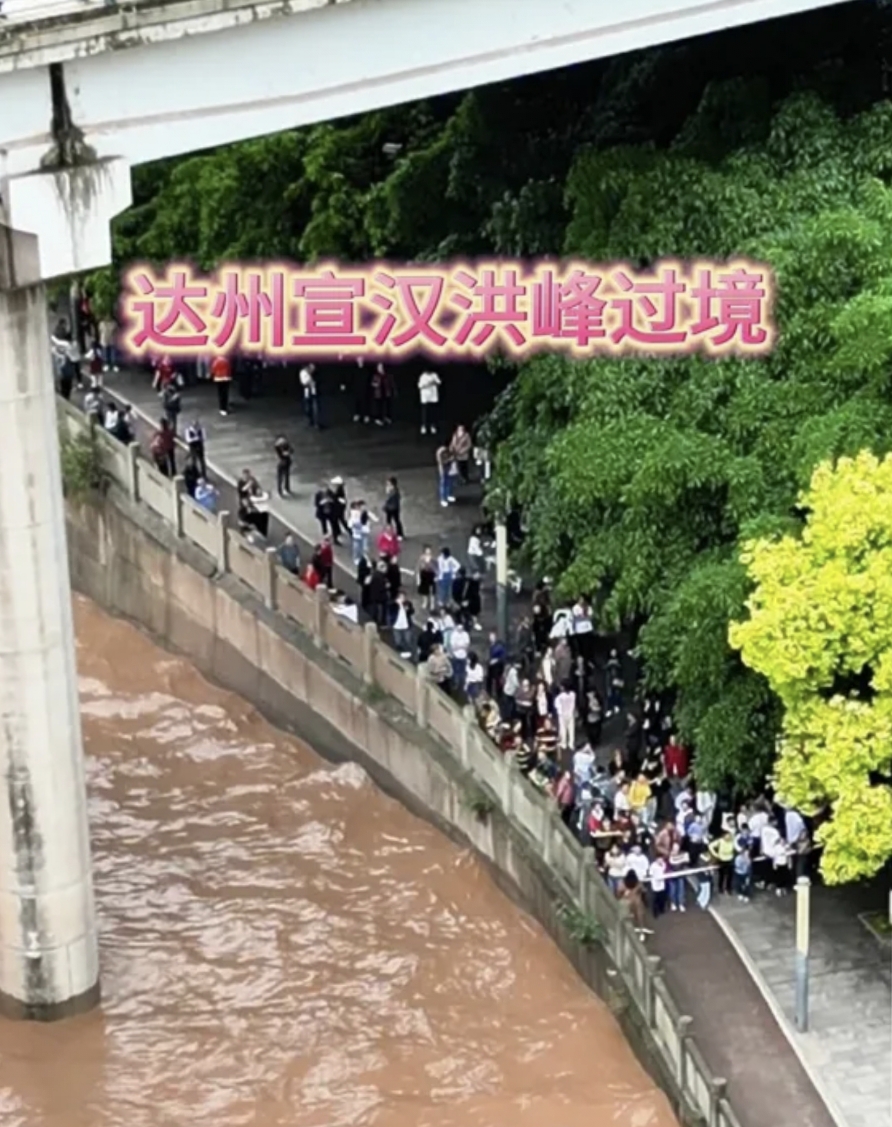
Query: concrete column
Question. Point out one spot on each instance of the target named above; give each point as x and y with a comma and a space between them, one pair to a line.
49, 962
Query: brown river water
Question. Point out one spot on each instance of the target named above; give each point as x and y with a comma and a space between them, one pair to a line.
284, 945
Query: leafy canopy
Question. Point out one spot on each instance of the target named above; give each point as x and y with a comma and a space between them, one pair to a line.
819, 630
640, 477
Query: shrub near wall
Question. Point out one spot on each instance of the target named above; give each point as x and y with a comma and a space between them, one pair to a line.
183, 573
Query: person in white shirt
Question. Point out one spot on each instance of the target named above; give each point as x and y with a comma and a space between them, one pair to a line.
794, 826
621, 804
429, 395
562, 626
705, 806
402, 626
311, 394
565, 707
637, 863
758, 820
583, 765
476, 558
474, 678
657, 873
774, 850
346, 608
447, 566
459, 644
617, 864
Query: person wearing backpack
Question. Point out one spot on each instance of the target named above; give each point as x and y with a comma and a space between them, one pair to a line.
171, 404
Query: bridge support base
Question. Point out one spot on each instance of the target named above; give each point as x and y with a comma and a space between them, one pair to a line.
49, 961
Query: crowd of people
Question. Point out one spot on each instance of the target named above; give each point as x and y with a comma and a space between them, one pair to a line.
543, 695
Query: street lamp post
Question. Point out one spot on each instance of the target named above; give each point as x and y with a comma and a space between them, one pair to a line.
803, 914
502, 578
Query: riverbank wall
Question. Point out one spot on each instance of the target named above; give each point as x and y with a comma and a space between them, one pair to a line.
143, 550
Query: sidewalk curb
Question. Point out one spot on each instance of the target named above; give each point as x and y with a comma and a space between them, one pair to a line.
780, 1017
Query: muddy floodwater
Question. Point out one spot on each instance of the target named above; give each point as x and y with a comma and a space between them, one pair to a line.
284, 946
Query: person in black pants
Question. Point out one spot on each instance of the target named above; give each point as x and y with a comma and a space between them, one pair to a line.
393, 507
284, 455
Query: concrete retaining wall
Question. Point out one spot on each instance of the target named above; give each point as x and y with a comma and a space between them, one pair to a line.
253, 628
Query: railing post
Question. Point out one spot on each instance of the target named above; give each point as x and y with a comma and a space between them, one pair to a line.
133, 470
587, 873
179, 486
718, 1088
369, 641
223, 542
511, 779
269, 593
684, 1037
468, 720
652, 971
422, 698
320, 604
548, 828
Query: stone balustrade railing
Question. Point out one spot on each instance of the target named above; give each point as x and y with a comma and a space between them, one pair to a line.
456, 728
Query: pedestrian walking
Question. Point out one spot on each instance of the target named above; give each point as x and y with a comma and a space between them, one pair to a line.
429, 397
311, 394
362, 399
426, 574
324, 505
221, 374
447, 474
195, 440
284, 455
383, 395
339, 510
447, 569
461, 452
359, 525
171, 403
393, 507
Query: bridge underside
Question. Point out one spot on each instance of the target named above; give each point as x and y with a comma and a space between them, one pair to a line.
172, 76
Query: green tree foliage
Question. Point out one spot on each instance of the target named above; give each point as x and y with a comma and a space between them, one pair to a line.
819, 629
640, 477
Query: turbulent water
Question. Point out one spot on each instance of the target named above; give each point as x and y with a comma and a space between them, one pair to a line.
282, 944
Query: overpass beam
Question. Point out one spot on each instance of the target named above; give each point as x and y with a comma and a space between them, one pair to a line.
49, 958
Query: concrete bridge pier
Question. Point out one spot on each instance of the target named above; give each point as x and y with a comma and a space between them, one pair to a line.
49, 956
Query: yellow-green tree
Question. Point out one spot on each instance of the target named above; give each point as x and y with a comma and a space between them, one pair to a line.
820, 630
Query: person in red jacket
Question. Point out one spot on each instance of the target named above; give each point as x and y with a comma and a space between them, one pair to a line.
163, 449
675, 760
388, 543
221, 374
165, 373
311, 577
323, 562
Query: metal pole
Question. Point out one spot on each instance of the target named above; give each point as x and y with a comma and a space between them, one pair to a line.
502, 579
803, 913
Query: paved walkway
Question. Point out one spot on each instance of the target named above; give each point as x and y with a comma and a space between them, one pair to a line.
734, 1025
363, 455
848, 1049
